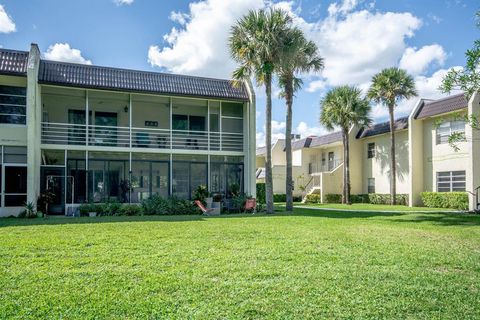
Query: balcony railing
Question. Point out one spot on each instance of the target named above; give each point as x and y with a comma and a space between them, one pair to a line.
329, 166
111, 136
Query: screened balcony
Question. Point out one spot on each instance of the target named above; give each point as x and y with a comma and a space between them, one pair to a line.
110, 119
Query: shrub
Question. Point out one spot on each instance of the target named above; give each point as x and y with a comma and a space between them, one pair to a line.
130, 210
85, 208
359, 198
279, 197
333, 198
312, 198
297, 198
380, 198
452, 200
156, 205
201, 193
260, 192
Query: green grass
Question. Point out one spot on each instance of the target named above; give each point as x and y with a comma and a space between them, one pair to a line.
372, 207
312, 264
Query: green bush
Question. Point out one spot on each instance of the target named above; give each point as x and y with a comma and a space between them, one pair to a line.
85, 208
359, 198
260, 192
156, 205
451, 200
380, 198
333, 198
312, 198
130, 210
201, 193
279, 197
297, 198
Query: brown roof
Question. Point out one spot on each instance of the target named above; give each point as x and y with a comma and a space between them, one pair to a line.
381, 128
302, 143
13, 62
326, 139
440, 106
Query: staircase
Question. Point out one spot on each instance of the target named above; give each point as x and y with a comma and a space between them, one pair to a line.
313, 186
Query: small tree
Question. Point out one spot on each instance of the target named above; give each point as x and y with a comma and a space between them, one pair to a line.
345, 107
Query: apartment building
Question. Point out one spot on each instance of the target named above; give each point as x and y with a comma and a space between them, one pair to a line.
92, 134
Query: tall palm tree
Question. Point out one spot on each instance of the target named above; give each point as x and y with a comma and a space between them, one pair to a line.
345, 107
298, 55
389, 87
255, 42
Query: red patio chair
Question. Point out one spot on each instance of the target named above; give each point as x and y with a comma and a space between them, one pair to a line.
250, 205
202, 207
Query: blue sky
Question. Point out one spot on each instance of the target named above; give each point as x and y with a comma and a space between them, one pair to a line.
357, 38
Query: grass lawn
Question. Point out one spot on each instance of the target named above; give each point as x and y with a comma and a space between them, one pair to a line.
371, 207
312, 264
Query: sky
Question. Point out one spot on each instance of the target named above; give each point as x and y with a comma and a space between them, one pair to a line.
357, 38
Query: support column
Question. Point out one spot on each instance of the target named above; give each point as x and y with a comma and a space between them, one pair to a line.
34, 118
250, 144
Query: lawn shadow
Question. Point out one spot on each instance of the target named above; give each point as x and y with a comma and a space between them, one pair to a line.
62, 220
443, 219
319, 213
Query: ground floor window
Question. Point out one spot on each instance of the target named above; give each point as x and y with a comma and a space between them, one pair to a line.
13, 176
371, 185
448, 181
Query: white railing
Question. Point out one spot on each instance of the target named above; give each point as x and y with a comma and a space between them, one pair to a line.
112, 136
329, 166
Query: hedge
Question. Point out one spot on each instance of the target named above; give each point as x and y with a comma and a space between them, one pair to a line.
312, 198
373, 198
261, 192
451, 200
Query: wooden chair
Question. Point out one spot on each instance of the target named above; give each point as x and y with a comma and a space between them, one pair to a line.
202, 207
250, 205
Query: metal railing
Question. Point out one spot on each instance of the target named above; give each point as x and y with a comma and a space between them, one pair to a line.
329, 166
113, 136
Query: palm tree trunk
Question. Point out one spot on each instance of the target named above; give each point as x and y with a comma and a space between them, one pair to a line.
346, 165
288, 145
393, 169
268, 145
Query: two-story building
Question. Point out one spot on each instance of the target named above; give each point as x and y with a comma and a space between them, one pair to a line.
425, 160
93, 134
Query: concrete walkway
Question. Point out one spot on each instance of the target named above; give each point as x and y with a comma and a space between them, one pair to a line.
380, 211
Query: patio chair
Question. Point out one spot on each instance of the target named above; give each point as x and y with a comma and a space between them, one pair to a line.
202, 207
250, 205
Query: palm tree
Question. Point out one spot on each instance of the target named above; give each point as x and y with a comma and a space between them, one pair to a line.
298, 55
255, 42
389, 87
344, 107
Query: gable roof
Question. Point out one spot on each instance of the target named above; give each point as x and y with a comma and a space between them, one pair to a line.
381, 128
97, 77
445, 105
262, 150
13, 62
326, 139
302, 143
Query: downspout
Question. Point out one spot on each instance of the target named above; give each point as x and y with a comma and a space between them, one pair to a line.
250, 141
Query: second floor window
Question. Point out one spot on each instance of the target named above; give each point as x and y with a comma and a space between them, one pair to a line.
447, 128
13, 105
371, 150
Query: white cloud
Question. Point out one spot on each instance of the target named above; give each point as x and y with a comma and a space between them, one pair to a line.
278, 131
63, 52
179, 17
342, 8
417, 61
6, 23
200, 47
304, 130
316, 85
123, 2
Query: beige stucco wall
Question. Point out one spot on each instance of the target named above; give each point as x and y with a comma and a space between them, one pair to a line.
441, 157
379, 166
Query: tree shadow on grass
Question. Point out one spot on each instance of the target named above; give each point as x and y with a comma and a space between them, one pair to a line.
62, 220
305, 212
443, 219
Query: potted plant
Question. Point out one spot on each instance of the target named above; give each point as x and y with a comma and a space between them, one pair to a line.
201, 193
216, 203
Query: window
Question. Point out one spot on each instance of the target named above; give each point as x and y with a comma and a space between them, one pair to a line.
13, 105
446, 129
449, 181
371, 185
185, 122
231, 109
371, 150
